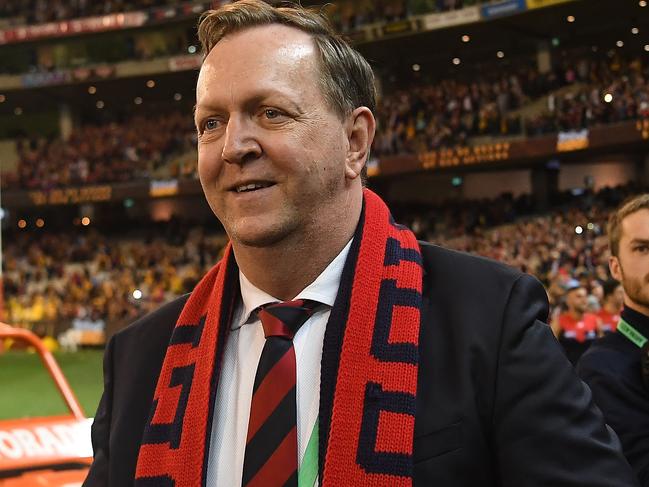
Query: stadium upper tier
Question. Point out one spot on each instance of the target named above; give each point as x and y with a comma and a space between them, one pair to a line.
346, 14
582, 91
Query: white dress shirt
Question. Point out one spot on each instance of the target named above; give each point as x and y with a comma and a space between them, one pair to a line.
240, 358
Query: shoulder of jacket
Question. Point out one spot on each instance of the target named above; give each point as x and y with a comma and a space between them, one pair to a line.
454, 262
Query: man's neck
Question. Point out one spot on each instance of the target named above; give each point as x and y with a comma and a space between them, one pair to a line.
576, 314
642, 309
611, 308
286, 268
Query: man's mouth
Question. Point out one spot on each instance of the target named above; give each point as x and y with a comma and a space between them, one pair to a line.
245, 188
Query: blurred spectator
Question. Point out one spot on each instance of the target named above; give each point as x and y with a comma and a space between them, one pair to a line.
576, 328
612, 303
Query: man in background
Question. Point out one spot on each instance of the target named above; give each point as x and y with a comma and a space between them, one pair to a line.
612, 303
575, 328
616, 367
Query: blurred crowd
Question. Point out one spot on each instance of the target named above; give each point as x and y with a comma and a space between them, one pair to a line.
85, 278
94, 280
611, 89
20, 12
430, 114
347, 15
107, 153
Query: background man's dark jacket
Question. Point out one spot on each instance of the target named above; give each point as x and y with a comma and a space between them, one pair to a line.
611, 367
498, 404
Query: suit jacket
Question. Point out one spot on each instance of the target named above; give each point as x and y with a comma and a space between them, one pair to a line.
498, 404
612, 368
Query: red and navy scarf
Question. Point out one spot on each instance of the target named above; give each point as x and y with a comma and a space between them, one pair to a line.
369, 367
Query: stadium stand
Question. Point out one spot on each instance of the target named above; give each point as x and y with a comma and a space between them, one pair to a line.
419, 118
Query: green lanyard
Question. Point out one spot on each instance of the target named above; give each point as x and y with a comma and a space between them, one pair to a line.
309, 469
631, 333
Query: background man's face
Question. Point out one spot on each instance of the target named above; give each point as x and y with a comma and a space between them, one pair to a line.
262, 120
577, 300
631, 266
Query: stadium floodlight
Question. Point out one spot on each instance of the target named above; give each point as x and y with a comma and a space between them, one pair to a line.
579, 230
500, 54
456, 60
642, 3
635, 31
619, 43
570, 18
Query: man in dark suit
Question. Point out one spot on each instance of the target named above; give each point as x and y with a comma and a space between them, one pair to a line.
411, 364
617, 365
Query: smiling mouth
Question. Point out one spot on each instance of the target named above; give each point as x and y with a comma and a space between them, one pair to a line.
246, 188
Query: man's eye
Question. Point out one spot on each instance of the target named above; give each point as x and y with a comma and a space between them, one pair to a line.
211, 124
271, 113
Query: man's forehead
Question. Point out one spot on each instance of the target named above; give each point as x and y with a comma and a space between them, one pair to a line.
260, 51
282, 42
636, 225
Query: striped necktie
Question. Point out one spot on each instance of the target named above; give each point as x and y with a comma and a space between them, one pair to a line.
271, 445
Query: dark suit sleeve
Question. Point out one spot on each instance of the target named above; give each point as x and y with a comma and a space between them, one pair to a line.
624, 401
546, 429
98, 474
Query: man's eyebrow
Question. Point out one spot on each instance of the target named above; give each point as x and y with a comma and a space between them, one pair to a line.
640, 241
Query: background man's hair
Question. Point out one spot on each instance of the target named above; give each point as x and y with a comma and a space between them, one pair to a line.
630, 206
609, 287
346, 78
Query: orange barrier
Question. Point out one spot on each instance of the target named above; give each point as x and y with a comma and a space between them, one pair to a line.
51, 451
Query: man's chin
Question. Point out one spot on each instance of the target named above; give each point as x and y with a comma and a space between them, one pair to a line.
259, 238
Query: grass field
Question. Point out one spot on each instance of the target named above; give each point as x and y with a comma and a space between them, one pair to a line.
27, 390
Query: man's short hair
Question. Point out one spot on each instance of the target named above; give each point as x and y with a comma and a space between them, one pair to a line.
632, 205
346, 78
609, 287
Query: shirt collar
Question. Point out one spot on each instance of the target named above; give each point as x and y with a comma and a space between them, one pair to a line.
324, 289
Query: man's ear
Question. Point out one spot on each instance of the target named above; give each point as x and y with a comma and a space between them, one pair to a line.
615, 268
360, 134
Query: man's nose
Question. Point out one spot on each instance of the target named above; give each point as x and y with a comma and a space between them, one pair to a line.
240, 143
